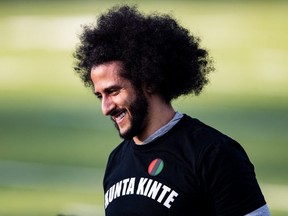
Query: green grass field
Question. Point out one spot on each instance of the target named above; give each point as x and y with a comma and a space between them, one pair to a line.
54, 141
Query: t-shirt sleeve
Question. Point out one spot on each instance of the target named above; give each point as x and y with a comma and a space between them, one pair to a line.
229, 179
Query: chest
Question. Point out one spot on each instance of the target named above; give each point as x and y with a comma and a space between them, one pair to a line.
155, 182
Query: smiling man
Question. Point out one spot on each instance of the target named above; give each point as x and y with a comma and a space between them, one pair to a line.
168, 162
136, 113
127, 107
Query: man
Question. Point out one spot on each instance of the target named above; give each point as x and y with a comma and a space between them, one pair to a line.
168, 163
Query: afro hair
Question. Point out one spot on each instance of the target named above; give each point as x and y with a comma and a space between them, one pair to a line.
155, 51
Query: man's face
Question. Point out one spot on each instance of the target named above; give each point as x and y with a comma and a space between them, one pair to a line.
126, 106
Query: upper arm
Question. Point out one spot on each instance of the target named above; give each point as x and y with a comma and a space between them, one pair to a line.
230, 179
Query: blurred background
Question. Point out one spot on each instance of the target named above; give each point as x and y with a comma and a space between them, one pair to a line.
54, 141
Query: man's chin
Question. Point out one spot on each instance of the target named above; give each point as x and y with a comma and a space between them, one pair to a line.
126, 134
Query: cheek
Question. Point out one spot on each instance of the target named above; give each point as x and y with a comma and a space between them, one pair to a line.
125, 100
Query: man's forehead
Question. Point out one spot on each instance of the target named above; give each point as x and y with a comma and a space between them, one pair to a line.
107, 75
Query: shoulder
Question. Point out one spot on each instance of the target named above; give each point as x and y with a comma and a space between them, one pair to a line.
207, 147
200, 135
225, 168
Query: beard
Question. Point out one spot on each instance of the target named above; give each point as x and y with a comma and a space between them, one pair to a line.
139, 112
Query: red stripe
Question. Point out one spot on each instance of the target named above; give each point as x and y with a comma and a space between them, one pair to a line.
151, 166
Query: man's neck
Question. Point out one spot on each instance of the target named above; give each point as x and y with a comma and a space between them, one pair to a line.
160, 113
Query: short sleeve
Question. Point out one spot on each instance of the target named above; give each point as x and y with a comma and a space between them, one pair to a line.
229, 179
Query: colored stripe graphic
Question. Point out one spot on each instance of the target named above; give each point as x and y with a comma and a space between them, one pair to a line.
155, 167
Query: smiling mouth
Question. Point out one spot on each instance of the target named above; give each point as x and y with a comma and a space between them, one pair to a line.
119, 116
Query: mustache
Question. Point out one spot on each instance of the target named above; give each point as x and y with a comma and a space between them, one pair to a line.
115, 112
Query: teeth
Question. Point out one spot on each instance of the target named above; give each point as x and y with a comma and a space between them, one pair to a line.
119, 117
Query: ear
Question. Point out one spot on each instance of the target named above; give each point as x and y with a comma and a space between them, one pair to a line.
147, 89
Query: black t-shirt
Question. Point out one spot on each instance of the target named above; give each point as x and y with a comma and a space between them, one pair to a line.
191, 170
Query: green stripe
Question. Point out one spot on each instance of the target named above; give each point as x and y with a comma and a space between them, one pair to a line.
157, 168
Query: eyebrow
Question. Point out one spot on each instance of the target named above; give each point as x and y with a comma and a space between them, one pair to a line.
108, 89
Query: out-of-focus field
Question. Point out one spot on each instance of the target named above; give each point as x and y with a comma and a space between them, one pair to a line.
54, 141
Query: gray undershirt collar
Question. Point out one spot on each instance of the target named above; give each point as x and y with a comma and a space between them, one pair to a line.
161, 131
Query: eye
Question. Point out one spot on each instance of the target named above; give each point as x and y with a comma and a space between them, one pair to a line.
113, 92
98, 95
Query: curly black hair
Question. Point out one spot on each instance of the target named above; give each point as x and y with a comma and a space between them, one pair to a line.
154, 49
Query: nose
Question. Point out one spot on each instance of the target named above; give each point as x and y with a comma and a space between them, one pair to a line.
107, 105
